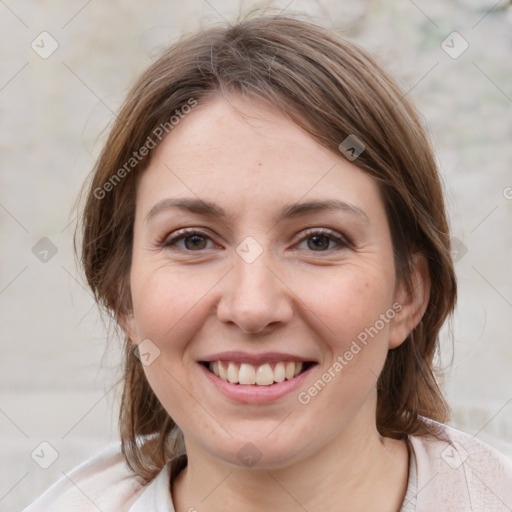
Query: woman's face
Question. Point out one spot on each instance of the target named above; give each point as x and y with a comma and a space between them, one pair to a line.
260, 251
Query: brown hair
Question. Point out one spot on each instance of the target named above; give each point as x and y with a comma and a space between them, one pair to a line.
331, 88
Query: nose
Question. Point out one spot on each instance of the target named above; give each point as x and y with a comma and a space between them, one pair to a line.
254, 297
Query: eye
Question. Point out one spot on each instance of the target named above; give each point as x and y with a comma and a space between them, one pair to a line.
317, 240
188, 240
322, 240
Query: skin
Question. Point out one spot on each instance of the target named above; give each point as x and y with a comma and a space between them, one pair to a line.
251, 161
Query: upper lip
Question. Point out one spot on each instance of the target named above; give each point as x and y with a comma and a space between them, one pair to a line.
254, 359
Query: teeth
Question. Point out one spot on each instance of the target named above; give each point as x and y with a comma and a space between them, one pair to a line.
223, 372
289, 370
233, 372
247, 374
262, 375
279, 372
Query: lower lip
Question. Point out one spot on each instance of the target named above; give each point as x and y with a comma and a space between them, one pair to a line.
254, 394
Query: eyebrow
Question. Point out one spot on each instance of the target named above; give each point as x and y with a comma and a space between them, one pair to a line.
291, 210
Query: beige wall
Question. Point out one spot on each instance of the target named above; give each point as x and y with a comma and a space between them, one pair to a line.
55, 384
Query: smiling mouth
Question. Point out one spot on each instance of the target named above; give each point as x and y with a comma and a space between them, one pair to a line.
266, 374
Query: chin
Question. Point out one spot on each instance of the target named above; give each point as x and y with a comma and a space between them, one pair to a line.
249, 452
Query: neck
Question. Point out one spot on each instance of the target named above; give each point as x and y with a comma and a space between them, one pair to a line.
358, 470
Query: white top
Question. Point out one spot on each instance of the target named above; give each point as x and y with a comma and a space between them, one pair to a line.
459, 475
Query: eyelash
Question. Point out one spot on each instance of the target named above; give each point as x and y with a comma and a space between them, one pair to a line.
341, 241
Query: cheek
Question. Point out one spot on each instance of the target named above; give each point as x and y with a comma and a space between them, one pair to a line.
169, 308
163, 299
346, 384
348, 301
352, 313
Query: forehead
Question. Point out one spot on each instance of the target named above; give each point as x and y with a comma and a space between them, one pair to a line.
248, 153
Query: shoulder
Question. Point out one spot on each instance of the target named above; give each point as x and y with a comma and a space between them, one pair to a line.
103, 482
458, 472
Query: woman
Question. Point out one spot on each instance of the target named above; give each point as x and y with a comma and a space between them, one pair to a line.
267, 226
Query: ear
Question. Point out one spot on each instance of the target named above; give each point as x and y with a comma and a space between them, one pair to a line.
126, 321
413, 300
124, 315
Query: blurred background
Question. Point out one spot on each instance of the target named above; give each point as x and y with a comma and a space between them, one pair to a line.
64, 70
